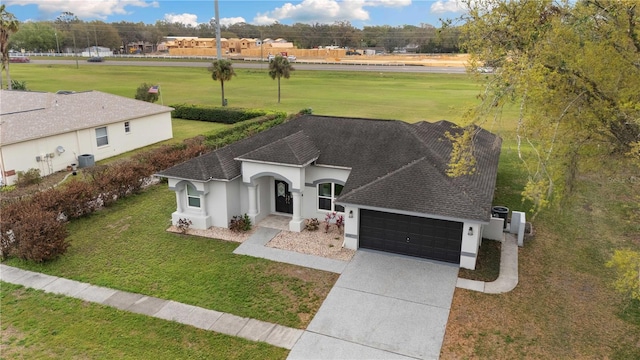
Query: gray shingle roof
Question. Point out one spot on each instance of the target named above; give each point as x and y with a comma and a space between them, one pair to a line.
393, 164
28, 115
295, 149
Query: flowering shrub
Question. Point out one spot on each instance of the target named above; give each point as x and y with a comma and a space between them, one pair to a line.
333, 219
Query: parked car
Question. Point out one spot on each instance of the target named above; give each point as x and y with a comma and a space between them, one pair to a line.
19, 59
291, 58
95, 59
351, 52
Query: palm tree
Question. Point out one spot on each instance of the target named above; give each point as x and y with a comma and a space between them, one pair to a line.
8, 25
222, 70
279, 67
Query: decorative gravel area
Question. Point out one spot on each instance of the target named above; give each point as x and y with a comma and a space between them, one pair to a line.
217, 233
317, 243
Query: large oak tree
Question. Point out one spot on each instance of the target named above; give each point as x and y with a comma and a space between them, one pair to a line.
571, 69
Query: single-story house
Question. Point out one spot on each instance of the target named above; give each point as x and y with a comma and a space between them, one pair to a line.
387, 178
50, 132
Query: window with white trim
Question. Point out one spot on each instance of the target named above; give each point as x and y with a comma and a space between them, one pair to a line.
127, 127
102, 138
193, 198
327, 194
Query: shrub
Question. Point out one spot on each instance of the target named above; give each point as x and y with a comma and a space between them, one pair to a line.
333, 219
240, 223
142, 93
29, 177
32, 233
183, 225
19, 85
243, 130
312, 224
306, 111
222, 115
627, 266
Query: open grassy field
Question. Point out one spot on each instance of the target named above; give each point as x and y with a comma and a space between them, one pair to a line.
408, 97
564, 306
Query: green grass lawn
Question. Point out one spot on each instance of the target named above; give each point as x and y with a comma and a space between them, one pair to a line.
126, 247
409, 97
36, 325
563, 307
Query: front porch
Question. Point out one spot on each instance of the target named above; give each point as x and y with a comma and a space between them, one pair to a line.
279, 222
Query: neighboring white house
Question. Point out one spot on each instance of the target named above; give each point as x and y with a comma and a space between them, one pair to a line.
97, 51
387, 178
49, 131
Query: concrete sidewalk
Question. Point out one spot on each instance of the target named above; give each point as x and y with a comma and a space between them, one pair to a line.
508, 278
206, 319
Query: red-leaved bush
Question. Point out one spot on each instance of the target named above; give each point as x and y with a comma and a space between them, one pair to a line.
31, 233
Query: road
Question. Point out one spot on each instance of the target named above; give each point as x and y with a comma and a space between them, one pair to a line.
264, 65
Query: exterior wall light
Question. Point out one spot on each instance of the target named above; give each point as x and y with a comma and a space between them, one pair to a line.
470, 231
350, 214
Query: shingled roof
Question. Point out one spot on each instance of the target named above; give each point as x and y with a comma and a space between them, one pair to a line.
28, 115
394, 165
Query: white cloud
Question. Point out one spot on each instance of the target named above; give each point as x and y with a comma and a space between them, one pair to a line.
88, 9
446, 6
231, 21
325, 11
187, 19
388, 3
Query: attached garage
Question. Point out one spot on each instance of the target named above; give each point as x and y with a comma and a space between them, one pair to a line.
411, 235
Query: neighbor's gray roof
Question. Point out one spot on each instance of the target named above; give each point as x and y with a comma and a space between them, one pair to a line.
394, 165
27, 115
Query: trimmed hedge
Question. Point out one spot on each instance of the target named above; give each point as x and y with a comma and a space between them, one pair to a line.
243, 130
216, 114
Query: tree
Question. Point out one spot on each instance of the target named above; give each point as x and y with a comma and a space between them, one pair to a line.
572, 69
142, 93
8, 25
280, 67
35, 36
222, 70
627, 266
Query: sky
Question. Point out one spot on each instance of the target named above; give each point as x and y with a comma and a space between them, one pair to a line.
359, 13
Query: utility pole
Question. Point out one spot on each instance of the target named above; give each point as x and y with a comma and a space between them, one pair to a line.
57, 43
218, 46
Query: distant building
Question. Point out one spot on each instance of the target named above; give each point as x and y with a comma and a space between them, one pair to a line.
98, 51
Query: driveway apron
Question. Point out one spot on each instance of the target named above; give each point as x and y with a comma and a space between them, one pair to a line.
383, 306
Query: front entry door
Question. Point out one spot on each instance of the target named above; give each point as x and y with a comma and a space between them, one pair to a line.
284, 200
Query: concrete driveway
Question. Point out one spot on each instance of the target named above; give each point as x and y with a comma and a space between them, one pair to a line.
383, 306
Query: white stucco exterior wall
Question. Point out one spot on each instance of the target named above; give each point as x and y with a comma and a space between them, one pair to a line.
351, 228
293, 175
200, 217
316, 175
470, 245
22, 156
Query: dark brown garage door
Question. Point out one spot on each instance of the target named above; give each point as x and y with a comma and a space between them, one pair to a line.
411, 235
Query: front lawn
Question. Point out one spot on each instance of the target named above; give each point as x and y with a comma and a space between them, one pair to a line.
126, 247
36, 325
